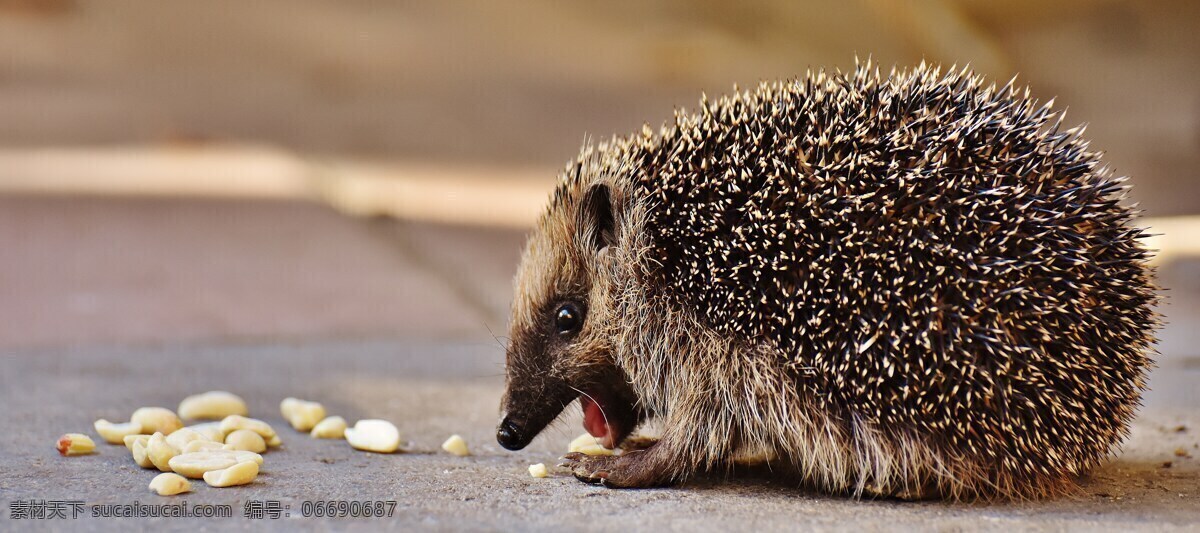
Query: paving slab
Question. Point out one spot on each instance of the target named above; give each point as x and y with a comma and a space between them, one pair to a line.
433, 389
122, 271
481, 263
394, 320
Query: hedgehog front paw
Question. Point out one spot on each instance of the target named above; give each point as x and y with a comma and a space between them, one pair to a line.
631, 470
589, 469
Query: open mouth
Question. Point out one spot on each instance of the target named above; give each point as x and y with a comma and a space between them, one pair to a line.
611, 409
607, 417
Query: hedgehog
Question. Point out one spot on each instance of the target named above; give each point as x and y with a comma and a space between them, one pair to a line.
911, 286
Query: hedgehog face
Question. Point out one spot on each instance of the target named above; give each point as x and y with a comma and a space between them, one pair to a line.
559, 346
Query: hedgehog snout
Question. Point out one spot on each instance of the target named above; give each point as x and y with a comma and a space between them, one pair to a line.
530, 404
510, 435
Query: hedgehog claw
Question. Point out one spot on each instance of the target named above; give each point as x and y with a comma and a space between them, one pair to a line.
577, 463
591, 480
570, 460
586, 468
631, 470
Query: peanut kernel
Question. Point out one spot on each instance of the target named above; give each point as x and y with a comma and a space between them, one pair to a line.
159, 452
245, 440
588, 445
75, 444
170, 484
156, 420
235, 422
456, 446
212, 405
301, 414
116, 433
333, 427
239, 474
374, 436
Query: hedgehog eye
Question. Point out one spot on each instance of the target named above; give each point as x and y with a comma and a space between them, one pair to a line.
567, 319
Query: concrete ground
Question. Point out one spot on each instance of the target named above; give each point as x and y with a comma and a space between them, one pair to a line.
112, 304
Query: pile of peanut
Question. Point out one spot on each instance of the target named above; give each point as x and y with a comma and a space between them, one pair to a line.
226, 450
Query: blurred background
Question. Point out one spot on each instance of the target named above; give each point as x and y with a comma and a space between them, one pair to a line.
286, 170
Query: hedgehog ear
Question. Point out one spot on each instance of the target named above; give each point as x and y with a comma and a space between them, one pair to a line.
596, 218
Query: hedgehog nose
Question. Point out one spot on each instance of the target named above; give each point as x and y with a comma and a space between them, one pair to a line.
509, 435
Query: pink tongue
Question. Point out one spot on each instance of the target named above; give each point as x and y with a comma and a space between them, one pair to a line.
593, 419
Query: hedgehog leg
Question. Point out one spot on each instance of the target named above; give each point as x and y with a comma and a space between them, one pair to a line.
923, 492
648, 467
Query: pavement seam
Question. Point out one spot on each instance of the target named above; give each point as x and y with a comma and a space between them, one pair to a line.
391, 231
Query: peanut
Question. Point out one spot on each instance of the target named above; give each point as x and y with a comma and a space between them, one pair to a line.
184, 436
130, 439
138, 450
159, 452
116, 433
538, 470
588, 445
156, 420
374, 436
212, 430
243, 456
202, 446
301, 414
212, 405
170, 484
456, 446
75, 444
288, 406
333, 427
239, 474
195, 464
235, 422
245, 440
